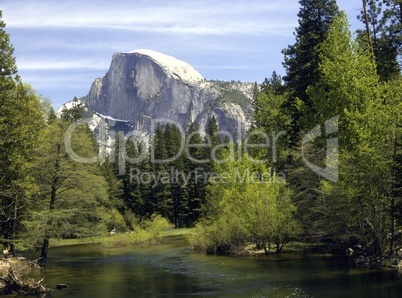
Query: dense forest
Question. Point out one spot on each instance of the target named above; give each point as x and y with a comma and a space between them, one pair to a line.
321, 164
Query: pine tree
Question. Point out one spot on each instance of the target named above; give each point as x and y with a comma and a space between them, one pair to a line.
74, 113
115, 186
273, 85
384, 51
256, 91
213, 143
8, 69
140, 200
392, 19
211, 131
197, 175
302, 59
159, 189
176, 169
131, 197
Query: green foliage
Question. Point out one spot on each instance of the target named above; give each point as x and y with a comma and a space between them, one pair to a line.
146, 232
378, 37
234, 96
195, 189
160, 193
214, 144
230, 92
156, 225
393, 25
348, 81
8, 68
114, 220
47, 194
71, 200
273, 85
339, 78
368, 117
74, 113
348, 78
170, 187
179, 194
21, 121
271, 119
133, 239
303, 58
246, 203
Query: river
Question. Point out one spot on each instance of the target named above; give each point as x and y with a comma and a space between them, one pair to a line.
174, 270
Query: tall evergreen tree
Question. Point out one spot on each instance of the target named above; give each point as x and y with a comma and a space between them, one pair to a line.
8, 69
392, 19
159, 188
139, 197
273, 85
176, 170
130, 196
213, 143
211, 131
196, 173
75, 112
302, 58
376, 34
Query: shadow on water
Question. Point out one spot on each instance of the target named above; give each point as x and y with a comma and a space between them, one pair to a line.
173, 269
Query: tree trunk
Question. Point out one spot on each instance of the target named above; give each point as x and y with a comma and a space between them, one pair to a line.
53, 196
377, 243
394, 194
14, 227
366, 20
391, 245
266, 251
175, 215
43, 256
400, 13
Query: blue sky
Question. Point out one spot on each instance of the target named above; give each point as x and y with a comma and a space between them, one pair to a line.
62, 46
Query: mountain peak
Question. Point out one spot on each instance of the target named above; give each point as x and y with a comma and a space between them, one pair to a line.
145, 86
173, 67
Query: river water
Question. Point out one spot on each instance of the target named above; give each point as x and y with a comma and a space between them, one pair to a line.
174, 270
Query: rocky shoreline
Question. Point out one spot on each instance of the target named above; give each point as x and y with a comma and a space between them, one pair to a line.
14, 278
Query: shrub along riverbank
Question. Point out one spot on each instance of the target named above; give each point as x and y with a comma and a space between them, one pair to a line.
140, 237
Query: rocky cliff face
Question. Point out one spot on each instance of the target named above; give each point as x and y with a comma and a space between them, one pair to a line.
144, 85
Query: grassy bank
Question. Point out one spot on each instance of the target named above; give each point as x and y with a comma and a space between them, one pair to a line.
137, 238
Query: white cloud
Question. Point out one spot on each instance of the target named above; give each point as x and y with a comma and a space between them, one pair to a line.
43, 80
231, 67
61, 65
178, 17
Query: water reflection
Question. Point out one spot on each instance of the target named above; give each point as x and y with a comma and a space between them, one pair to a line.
173, 270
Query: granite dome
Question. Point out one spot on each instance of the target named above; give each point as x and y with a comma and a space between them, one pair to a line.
173, 67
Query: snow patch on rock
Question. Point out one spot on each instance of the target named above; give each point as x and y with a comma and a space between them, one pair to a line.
110, 118
173, 67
